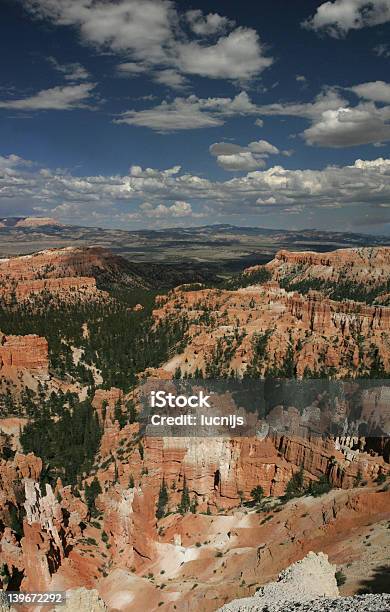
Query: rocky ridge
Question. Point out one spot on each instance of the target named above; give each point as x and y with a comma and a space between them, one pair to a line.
85, 272
324, 334
16, 222
66, 274
359, 271
261, 324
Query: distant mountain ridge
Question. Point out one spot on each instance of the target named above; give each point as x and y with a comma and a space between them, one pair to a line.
28, 222
220, 247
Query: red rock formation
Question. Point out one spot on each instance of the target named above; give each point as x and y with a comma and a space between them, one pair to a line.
24, 352
356, 257
65, 288
66, 273
369, 266
60, 263
11, 472
324, 333
61, 548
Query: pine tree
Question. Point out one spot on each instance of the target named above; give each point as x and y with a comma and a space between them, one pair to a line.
91, 493
162, 500
295, 486
118, 414
185, 502
257, 494
104, 409
131, 412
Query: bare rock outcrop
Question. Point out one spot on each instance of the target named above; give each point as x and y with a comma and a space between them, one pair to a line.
305, 580
82, 600
66, 274
24, 352
307, 586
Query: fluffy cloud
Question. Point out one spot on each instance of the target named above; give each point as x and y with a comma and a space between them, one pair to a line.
154, 194
142, 28
177, 209
130, 68
377, 91
234, 157
337, 18
65, 97
243, 161
189, 113
263, 147
334, 123
348, 127
205, 25
151, 34
237, 56
328, 99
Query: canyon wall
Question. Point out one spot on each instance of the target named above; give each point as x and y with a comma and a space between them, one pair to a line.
322, 333
23, 352
369, 266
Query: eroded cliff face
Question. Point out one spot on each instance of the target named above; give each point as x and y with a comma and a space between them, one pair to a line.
201, 559
54, 263
193, 561
323, 335
38, 531
368, 265
66, 274
23, 353
220, 472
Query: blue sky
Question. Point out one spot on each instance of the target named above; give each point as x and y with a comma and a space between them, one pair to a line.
152, 113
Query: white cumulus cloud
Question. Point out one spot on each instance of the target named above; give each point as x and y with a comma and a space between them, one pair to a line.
234, 157
377, 91
348, 127
155, 34
243, 161
337, 18
334, 123
177, 209
205, 25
